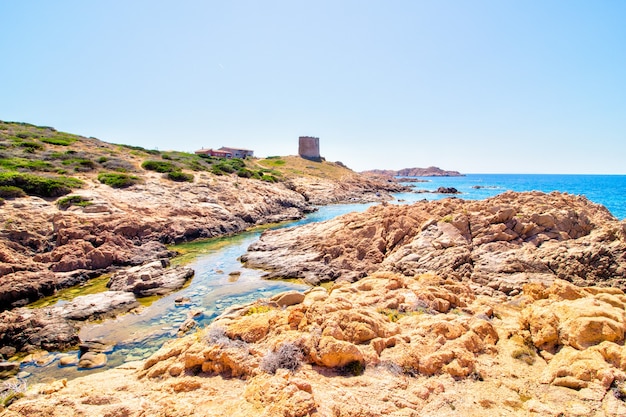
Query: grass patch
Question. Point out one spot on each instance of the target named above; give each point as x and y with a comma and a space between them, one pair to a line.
10, 191
138, 150
15, 164
73, 200
118, 180
58, 140
274, 161
38, 185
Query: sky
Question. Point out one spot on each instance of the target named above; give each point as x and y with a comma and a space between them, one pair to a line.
481, 86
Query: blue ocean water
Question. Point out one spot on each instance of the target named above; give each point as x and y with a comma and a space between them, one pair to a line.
608, 190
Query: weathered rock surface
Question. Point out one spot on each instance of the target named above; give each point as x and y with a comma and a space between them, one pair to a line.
56, 328
154, 278
499, 244
386, 345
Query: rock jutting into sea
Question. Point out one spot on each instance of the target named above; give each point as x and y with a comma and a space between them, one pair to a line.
414, 172
497, 244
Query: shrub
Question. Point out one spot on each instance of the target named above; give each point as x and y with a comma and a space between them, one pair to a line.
11, 390
59, 140
159, 166
40, 186
217, 336
73, 200
217, 170
287, 356
118, 165
10, 191
81, 164
138, 150
179, 176
524, 354
30, 147
25, 164
268, 178
245, 173
258, 309
118, 180
354, 368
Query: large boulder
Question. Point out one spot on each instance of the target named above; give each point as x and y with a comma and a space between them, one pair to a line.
154, 278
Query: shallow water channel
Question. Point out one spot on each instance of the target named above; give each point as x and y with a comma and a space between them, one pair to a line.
220, 281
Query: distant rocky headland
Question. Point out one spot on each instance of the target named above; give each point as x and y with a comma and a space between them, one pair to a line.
414, 172
511, 306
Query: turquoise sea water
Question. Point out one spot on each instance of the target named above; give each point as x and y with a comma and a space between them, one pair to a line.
608, 190
213, 288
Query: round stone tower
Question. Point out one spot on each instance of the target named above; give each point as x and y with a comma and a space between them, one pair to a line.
309, 148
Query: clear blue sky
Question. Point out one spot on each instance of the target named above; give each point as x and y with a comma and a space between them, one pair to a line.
476, 86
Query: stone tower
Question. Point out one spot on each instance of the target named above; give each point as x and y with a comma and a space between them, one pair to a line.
309, 148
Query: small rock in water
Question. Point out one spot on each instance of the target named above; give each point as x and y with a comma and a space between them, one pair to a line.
180, 301
8, 369
195, 313
68, 360
186, 326
92, 360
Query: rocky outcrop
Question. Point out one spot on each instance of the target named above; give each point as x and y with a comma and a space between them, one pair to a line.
154, 278
498, 244
386, 345
44, 248
413, 323
56, 327
414, 172
352, 189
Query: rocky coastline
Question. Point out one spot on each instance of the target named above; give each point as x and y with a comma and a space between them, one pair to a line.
45, 247
511, 306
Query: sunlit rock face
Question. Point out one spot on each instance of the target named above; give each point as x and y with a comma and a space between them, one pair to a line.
499, 244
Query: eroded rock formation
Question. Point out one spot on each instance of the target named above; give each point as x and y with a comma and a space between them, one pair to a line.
386, 345
499, 243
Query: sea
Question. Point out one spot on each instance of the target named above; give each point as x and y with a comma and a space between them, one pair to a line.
608, 190
221, 281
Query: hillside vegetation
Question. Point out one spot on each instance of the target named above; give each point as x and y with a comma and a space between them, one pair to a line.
41, 161
295, 166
